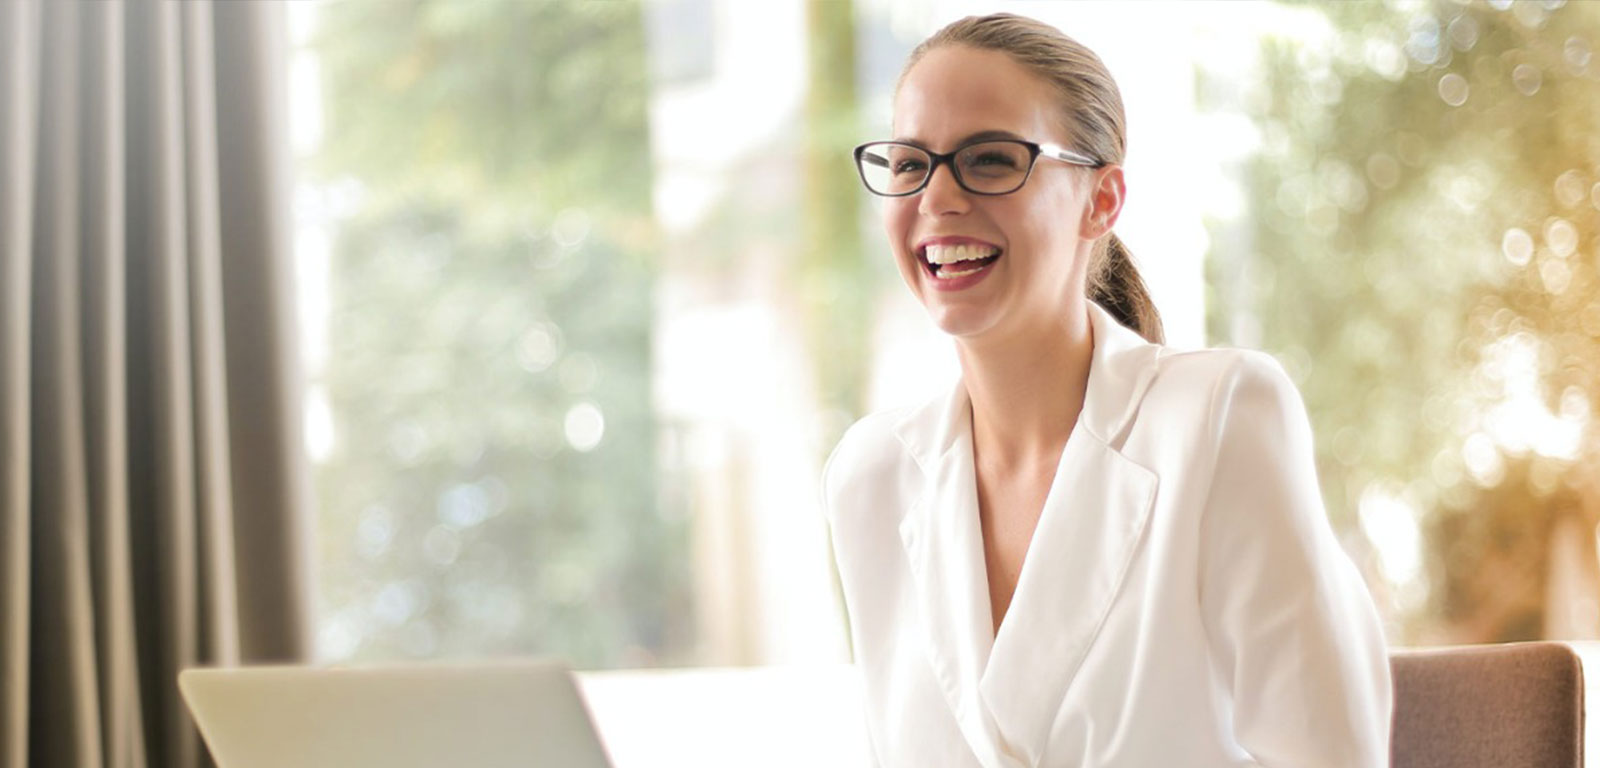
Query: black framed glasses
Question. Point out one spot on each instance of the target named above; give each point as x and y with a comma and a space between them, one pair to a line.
994, 167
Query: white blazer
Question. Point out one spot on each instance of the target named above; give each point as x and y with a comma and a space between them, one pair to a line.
1183, 601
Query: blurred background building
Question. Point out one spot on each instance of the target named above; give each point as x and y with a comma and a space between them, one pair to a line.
589, 290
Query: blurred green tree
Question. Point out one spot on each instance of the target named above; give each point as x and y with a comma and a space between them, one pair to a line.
492, 486
1425, 192
839, 282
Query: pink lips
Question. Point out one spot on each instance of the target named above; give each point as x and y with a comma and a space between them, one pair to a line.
953, 283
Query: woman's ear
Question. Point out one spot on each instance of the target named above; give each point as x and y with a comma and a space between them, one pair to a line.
1106, 193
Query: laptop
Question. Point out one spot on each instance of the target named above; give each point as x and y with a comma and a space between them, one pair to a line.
502, 714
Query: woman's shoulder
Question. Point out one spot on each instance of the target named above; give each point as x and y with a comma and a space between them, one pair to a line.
870, 448
1217, 364
1223, 383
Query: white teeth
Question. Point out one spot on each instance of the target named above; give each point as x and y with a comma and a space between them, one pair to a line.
950, 254
945, 274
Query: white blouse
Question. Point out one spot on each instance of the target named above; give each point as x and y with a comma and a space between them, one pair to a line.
1183, 601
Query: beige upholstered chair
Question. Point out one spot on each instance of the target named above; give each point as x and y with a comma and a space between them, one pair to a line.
1488, 706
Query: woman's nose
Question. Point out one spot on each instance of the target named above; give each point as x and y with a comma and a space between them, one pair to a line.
943, 195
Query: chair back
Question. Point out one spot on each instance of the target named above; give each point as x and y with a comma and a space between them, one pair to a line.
1488, 706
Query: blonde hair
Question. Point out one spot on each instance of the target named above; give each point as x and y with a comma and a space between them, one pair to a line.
1091, 107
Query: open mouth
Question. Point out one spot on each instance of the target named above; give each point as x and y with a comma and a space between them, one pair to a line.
947, 262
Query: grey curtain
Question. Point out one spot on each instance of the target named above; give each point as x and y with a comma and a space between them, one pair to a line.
153, 498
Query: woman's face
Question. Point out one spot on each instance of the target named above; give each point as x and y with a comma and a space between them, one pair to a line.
1042, 232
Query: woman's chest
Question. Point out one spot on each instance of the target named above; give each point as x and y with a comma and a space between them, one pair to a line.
1137, 694
1010, 504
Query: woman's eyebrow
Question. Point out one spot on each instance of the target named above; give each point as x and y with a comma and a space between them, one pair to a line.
990, 135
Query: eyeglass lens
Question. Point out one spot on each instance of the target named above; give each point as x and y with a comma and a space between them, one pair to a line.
990, 167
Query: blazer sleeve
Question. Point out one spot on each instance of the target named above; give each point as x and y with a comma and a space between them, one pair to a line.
1294, 639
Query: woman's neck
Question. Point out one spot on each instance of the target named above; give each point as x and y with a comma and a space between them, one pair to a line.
1027, 389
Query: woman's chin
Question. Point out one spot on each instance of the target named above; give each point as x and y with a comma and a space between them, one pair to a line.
960, 322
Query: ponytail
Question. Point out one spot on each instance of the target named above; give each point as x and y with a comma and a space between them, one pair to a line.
1115, 284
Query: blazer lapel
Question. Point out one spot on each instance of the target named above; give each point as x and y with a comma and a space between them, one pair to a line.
1088, 535
944, 547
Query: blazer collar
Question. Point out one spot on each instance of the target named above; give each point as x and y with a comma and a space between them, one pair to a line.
1092, 519
1120, 369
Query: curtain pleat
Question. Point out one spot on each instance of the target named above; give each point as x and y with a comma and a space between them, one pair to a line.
160, 376
103, 287
213, 475
148, 387
271, 486
19, 88
64, 710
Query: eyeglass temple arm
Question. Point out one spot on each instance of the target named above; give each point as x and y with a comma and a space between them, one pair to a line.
1067, 156
875, 159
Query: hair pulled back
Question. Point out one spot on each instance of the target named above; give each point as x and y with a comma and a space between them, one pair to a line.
1091, 107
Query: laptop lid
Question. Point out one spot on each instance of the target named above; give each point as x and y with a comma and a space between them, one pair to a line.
503, 714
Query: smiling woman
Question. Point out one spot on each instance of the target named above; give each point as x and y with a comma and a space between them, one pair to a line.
1090, 539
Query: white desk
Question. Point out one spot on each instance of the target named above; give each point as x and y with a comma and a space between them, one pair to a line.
801, 716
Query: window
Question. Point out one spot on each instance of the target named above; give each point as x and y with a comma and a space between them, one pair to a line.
579, 345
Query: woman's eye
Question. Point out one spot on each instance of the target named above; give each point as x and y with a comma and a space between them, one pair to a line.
908, 166
994, 159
